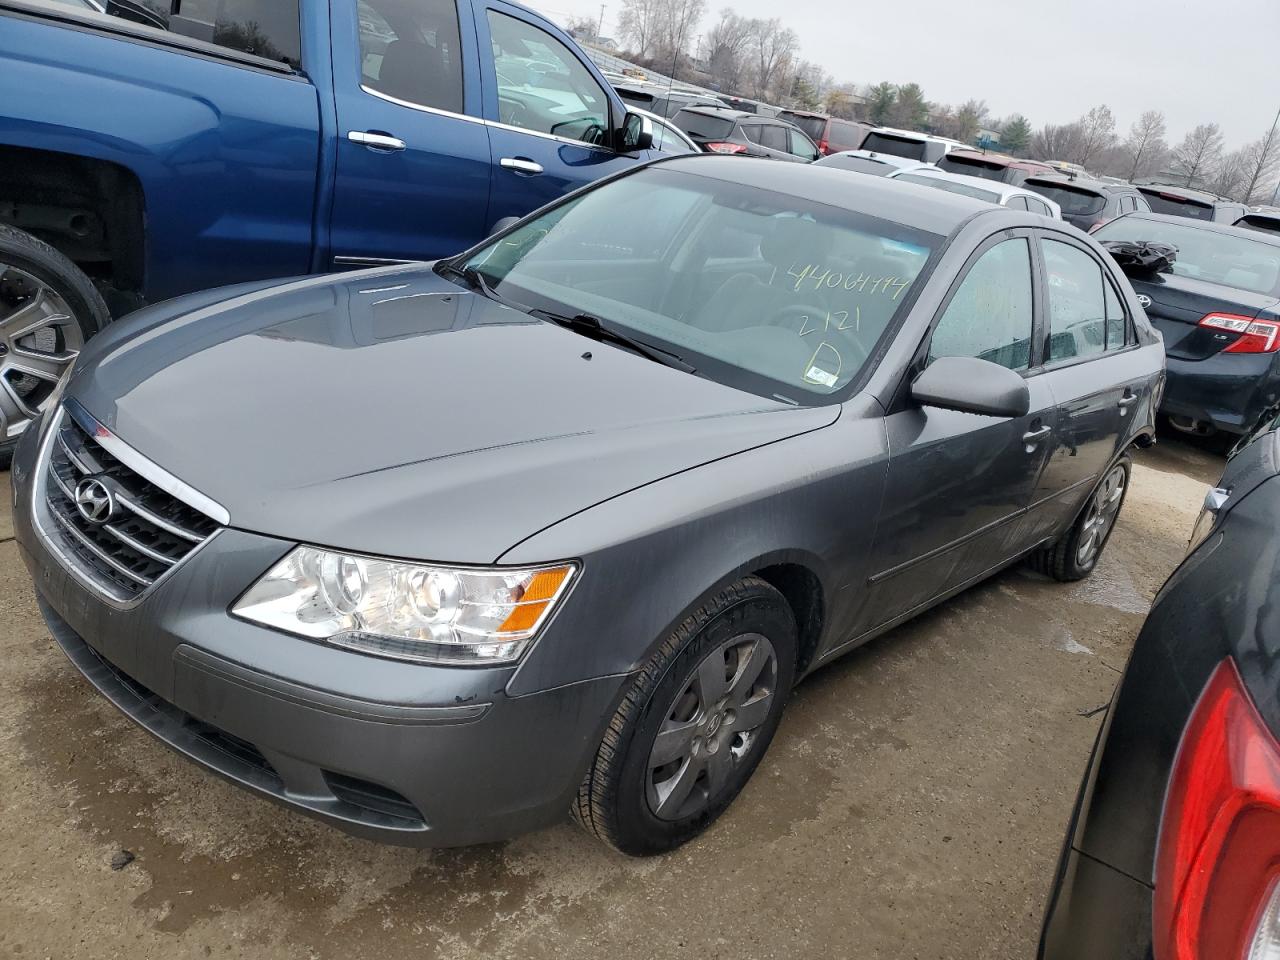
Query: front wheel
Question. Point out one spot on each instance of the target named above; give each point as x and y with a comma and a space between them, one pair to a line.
694, 723
48, 309
1074, 556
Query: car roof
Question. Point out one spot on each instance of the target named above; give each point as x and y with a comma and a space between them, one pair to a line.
1084, 183
1004, 190
923, 208
997, 159
891, 159
1271, 239
727, 113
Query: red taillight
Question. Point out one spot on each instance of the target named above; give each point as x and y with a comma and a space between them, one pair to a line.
824, 146
1218, 859
724, 147
1256, 336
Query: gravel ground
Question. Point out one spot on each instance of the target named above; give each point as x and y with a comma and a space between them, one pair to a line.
911, 806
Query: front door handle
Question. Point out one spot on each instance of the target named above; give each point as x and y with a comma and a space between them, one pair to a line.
1033, 437
378, 141
1128, 399
521, 165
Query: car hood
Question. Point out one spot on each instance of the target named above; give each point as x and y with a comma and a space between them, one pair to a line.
392, 412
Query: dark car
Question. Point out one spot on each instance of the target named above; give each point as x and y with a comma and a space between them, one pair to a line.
661, 100
1173, 851
992, 166
1260, 220
831, 134
1088, 204
721, 130
870, 162
1218, 310
1194, 204
556, 524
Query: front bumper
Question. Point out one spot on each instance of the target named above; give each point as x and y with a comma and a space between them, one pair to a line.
404, 753
1228, 390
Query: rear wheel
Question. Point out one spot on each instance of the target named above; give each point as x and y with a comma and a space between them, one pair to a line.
1074, 556
48, 309
694, 724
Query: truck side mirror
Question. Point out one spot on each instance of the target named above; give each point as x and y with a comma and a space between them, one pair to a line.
637, 133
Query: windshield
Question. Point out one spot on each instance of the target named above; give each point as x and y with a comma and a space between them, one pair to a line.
950, 186
1073, 200
1178, 206
898, 146
1239, 262
762, 291
814, 127
843, 161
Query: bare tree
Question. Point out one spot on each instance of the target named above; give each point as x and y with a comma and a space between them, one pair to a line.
970, 116
1228, 175
1261, 161
1198, 152
728, 45
1097, 133
583, 28
673, 30
1056, 141
775, 46
637, 24
1145, 147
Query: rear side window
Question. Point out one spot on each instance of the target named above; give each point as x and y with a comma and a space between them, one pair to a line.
990, 316
773, 137
1077, 303
898, 146
264, 28
1017, 203
703, 125
409, 49
1073, 200
1037, 206
1178, 206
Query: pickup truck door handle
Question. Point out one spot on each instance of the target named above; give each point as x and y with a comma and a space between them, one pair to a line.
1127, 399
378, 141
1032, 437
521, 165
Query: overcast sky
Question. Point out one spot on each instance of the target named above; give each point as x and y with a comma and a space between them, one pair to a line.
1197, 60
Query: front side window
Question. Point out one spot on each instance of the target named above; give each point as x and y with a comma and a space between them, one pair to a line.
991, 316
410, 50
1077, 306
763, 291
542, 86
264, 28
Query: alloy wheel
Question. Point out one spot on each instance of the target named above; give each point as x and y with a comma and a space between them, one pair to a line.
39, 341
1101, 516
712, 726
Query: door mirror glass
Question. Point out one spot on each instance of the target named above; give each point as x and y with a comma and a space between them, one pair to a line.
637, 133
970, 385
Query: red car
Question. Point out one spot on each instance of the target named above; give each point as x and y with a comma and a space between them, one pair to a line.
993, 166
831, 134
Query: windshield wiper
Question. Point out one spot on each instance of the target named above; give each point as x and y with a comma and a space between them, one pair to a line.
589, 326
476, 280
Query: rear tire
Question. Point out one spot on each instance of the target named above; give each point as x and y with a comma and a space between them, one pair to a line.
1074, 555
48, 310
694, 723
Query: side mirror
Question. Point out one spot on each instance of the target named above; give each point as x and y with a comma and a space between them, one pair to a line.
970, 385
502, 225
637, 133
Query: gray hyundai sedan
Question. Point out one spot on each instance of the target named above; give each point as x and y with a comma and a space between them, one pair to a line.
437, 553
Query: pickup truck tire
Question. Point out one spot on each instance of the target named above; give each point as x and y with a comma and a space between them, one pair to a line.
48, 309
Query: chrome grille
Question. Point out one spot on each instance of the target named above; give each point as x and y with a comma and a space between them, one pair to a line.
150, 531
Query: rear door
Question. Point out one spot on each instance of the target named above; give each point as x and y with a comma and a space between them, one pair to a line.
550, 118
1097, 378
958, 483
413, 164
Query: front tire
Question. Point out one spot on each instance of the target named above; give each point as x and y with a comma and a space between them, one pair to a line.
694, 723
1074, 556
48, 310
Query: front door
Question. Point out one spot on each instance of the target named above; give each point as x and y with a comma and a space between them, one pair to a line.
550, 119
413, 170
959, 483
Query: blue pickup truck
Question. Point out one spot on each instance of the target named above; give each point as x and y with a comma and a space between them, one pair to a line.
149, 148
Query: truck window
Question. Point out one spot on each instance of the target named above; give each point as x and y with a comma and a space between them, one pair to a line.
410, 50
542, 86
264, 28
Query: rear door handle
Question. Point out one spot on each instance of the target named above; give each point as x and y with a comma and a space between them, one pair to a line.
1128, 399
1032, 437
521, 165
378, 141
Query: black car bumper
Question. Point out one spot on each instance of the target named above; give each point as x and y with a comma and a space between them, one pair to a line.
405, 753
1228, 390
1096, 913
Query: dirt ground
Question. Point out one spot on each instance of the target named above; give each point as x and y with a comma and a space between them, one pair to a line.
912, 805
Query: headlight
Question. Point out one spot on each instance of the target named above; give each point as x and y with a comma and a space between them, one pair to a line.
406, 611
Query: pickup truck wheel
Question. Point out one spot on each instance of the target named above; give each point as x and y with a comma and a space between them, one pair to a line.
48, 309
693, 724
